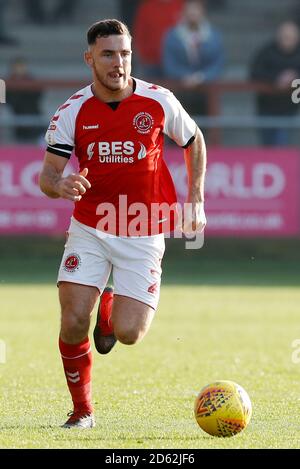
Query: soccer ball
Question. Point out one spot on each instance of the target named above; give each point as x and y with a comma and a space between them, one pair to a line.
223, 408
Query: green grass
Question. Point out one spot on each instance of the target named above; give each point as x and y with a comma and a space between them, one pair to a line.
229, 324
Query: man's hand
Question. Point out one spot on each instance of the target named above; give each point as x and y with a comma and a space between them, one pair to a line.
73, 186
194, 219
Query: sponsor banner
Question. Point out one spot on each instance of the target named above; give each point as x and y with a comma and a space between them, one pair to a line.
23, 208
249, 191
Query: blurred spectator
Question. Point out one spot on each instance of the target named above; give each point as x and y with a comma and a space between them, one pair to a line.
128, 10
24, 102
193, 54
39, 13
4, 38
278, 63
153, 19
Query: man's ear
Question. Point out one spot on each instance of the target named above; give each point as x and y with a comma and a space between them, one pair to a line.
88, 58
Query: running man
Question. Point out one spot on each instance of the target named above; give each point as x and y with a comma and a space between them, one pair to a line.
116, 127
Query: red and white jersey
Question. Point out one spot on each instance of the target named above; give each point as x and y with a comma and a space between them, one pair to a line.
122, 147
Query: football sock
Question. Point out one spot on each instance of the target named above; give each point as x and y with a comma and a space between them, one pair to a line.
105, 323
77, 363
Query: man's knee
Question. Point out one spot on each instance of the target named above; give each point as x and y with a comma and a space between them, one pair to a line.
77, 302
74, 325
129, 335
131, 319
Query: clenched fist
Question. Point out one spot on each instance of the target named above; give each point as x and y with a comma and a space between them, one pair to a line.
73, 186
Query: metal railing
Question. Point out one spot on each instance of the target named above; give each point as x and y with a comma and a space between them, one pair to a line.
215, 121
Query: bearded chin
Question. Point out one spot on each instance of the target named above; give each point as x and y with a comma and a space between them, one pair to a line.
105, 83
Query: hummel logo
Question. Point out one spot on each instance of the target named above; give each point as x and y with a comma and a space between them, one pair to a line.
90, 127
73, 377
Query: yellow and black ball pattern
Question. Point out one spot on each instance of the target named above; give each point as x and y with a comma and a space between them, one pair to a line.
223, 408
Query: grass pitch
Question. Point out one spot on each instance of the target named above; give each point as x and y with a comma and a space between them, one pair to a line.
219, 321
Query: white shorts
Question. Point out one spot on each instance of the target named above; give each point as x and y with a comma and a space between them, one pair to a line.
90, 256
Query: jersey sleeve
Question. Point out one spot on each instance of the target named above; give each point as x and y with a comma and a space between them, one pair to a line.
60, 134
179, 126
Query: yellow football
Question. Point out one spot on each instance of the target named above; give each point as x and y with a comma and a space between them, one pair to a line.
223, 408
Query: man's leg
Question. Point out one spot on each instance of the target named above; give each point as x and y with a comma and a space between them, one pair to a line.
136, 275
104, 337
126, 315
77, 302
120, 318
131, 319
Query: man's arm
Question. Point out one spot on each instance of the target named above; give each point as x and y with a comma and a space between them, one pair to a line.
54, 185
195, 160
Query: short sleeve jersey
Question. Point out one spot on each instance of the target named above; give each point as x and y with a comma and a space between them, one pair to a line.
122, 147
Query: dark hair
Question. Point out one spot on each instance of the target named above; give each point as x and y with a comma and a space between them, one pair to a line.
106, 28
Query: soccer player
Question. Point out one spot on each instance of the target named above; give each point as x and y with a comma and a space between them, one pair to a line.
116, 127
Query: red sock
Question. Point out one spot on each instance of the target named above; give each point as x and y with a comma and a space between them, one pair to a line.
107, 299
77, 362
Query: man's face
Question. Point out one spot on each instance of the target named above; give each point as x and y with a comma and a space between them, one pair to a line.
193, 14
288, 37
110, 60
